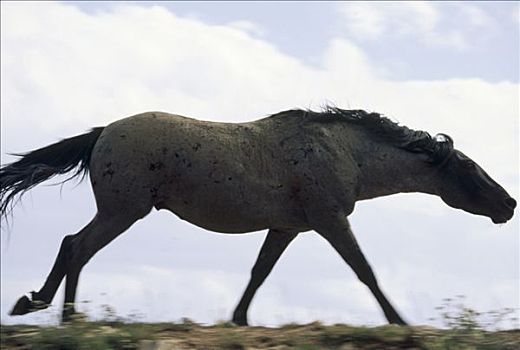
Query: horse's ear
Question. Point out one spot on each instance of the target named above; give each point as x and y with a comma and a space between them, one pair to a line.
444, 138
442, 149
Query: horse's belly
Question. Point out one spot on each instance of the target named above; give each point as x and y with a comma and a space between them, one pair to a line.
233, 209
219, 219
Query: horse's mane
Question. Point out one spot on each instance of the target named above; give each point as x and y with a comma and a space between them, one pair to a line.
437, 148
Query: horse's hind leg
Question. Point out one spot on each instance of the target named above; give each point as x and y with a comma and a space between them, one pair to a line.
75, 251
273, 247
86, 245
42, 299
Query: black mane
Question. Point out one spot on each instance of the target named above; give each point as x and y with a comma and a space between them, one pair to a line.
417, 141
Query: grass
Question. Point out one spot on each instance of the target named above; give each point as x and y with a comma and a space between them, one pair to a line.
463, 328
102, 335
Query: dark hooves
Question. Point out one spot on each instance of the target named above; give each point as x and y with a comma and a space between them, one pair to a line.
240, 321
24, 305
398, 321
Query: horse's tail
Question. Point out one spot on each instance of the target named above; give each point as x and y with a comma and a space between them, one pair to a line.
39, 165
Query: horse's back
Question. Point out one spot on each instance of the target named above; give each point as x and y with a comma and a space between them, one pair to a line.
221, 176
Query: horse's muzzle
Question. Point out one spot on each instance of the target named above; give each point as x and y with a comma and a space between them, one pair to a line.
507, 211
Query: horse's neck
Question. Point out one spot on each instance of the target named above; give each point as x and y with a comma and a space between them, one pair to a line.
386, 170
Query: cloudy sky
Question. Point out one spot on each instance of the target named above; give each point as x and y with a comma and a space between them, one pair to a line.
440, 67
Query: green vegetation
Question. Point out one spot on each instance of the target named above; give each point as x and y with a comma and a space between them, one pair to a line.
463, 329
187, 335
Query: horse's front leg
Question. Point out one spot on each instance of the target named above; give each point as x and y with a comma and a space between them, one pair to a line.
273, 247
336, 230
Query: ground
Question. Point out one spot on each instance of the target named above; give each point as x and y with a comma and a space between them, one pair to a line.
187, 335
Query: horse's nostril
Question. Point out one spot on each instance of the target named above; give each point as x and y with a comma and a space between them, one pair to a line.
511, 203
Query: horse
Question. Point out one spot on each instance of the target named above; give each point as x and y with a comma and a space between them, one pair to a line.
290, 172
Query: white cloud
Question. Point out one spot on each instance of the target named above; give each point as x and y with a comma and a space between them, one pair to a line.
64, 71
426, 22
515, 15
476, 16
248, 27
362, 20
374, 19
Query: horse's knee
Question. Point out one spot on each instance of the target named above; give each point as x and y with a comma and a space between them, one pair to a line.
367, 277
260, 271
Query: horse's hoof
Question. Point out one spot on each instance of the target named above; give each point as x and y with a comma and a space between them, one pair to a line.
240, 321
69, 314
398, 321
73, 317
24, 305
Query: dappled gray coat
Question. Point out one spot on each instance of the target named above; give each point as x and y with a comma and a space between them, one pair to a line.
291, 172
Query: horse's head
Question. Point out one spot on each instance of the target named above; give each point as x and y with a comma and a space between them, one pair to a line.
465, 185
